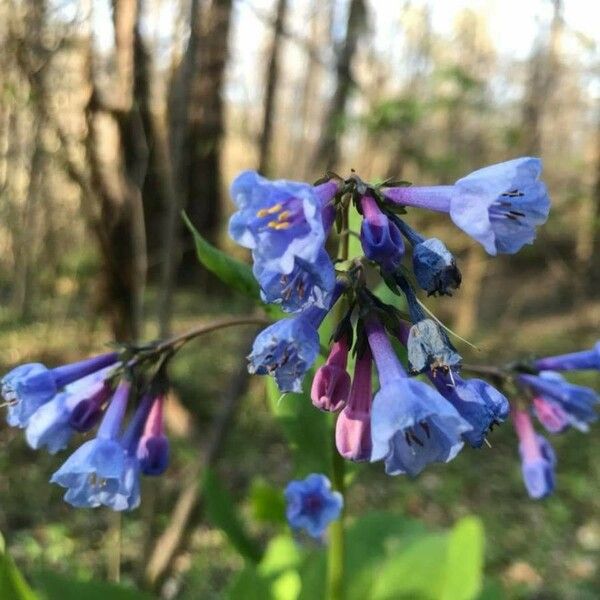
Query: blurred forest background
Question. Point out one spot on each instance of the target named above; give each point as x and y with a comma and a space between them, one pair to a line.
115, 116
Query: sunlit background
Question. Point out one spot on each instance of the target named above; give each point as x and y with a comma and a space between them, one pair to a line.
115, 116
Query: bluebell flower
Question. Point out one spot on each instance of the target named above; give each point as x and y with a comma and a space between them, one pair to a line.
153, 447
28, 386
575, 361
311, 504
282, 222
286, 350
577, 402
412, 425
380, 238
93, 473
51, 426
308, 284
499, 206
476, 401
538, 460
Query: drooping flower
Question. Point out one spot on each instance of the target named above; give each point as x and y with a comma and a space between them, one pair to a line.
429, 348
153, 447
288, 348
28, 386
575, 361
285, 224
577, 403
412, 425
308, 284
93, 473
550, 414
311, 505
353, 426
538, 460
476, 401
52, 424
381, 241
331, 383
433, 264
499, 206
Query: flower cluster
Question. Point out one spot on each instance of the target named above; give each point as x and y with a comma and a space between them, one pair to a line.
54, 404
409, 422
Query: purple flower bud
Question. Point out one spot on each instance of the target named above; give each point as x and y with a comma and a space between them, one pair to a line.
153, 447
381, 240
576, 361
331, 384
353, 426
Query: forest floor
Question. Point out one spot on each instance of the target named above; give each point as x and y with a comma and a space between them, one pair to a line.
548, 549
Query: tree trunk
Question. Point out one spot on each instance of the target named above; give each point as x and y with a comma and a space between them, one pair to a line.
327, 154
272, 75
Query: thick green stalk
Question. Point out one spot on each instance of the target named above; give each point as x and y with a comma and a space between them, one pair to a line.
336, 549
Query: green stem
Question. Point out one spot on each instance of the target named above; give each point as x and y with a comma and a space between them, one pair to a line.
336, 549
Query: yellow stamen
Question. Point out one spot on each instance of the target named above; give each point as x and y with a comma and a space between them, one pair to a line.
283, 215
263, 212
278, 226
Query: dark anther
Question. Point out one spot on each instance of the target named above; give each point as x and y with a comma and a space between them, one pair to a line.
425, 427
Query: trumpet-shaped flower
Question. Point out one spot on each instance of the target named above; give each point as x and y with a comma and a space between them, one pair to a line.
499, 206
575, 361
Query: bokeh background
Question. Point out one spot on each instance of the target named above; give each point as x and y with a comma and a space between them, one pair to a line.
115, 116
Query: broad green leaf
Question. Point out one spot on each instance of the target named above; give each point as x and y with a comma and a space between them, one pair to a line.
54, 586
464, 563
222, 512
282, 554
306, 429
12, 583
267, 502
232, 272
287, 586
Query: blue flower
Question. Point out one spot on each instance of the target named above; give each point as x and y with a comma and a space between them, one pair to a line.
412, 426
499, 206
577, 402
435, 268
279, 221
27, 387
380, 238
476, 401
94, 473
311, 504
51, 425
308, 284
538, 460
575, 361
287, 349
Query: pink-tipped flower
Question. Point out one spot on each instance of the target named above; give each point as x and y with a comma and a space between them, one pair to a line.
353, 427
153, 448
331, 385
550, 414
537, 456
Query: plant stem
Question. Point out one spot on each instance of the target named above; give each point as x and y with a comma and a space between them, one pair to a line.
336, 549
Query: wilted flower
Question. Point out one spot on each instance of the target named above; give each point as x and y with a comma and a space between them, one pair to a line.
499, 206
311, 504
429, 348
538, 460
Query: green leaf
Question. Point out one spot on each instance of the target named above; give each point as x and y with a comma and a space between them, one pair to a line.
61, 587
12, 583
222, 512
464, 563
249, 585
282, 554
232, 272
268, 503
